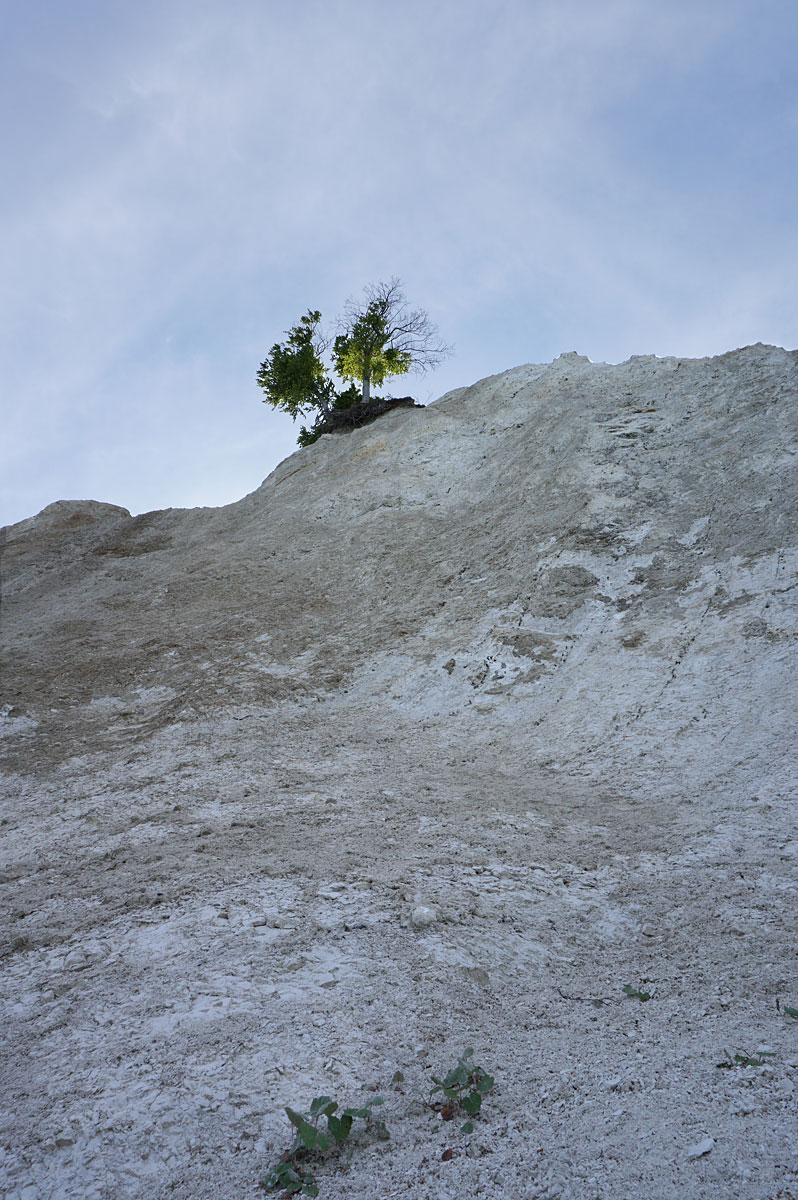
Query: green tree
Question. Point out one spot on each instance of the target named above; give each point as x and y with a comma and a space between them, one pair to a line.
294, 376
379, 337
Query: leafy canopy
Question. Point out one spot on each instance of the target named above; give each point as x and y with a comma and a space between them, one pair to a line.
294, 377
364, 352
378, 337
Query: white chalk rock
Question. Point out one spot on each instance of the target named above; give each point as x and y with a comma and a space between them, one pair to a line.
702, 1148
423, 916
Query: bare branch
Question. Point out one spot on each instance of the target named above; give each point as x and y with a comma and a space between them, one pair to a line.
409, 331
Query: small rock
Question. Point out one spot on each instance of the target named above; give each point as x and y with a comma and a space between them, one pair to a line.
327, 922
423, 916
76, 960
64, 1139
260, 921
699, 1150
477, 975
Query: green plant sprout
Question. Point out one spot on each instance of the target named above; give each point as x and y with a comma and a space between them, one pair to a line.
635, 994
310, 1139
463, 1088
744, 1060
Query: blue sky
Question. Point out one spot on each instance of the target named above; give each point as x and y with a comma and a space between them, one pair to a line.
183, 179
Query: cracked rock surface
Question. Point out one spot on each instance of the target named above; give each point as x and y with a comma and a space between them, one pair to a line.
459, 725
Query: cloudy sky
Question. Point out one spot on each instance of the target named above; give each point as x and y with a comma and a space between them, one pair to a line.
184, 178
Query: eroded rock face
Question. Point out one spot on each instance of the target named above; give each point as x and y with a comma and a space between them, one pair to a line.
626, 528
522, 659
62, 517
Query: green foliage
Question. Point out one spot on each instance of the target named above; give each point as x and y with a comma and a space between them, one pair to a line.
634, 994
294, 376
379, 338
463, 1088
307, 436
365, 353
325, 1126
347, 397
743, 1060
288, 1178
311, 1139
791, 1012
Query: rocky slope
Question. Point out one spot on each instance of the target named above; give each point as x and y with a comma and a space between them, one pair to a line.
457, 725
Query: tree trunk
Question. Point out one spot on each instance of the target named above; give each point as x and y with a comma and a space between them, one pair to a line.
366, 388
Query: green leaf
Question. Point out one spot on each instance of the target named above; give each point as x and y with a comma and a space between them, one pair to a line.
791, 1012
467, 1128
468, 1052
310, 1189
307, 1132
398, 1077
484, 1083
635, 994
472, 1103
271, 1179
362, 1113
339, 1128
322, 1104
283, 1175
740, 1060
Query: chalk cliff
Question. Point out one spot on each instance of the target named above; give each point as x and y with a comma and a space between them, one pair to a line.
459, 723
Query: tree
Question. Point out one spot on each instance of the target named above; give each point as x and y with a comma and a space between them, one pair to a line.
383, 337
294, 376
379, 337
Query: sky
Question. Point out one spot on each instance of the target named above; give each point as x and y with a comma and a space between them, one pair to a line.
183, 179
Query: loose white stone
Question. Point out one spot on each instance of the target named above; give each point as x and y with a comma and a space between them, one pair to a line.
700, 1149
76, 960
423, 916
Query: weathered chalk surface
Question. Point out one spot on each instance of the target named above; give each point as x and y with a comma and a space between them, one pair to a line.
454, 728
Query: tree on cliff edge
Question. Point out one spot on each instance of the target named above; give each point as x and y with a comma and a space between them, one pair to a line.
379, 336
